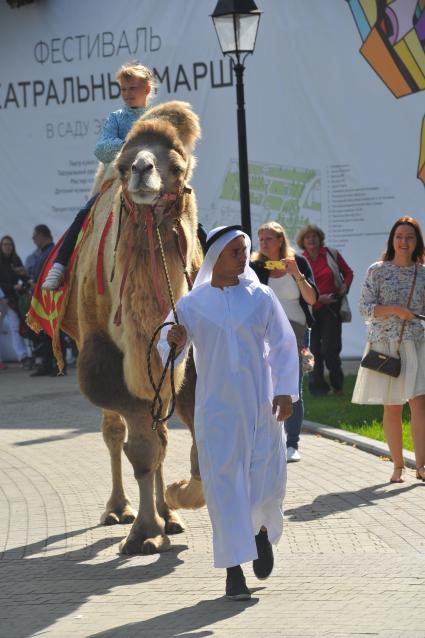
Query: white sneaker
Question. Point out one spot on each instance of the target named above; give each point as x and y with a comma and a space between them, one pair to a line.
54, 277
292, 455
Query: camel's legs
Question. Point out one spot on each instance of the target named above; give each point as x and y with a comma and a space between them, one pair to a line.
185, 408
145, 450
173, 523
118, 508
187, 494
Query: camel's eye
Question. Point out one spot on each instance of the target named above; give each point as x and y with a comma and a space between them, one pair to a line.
177, 170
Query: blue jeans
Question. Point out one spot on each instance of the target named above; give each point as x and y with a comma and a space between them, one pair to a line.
294, 423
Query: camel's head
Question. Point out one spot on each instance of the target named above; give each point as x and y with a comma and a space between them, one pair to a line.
153, 168
156, 158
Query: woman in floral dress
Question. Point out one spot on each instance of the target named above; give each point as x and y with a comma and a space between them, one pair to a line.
384, 305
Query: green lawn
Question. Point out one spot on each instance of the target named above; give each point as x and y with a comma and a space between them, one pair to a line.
341, 413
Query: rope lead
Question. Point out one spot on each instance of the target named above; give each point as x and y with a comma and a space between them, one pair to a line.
157, 403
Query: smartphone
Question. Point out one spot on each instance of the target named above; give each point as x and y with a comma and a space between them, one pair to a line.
274, 265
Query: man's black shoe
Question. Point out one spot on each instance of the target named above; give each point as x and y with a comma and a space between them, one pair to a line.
41, 372
236, 588
263, 565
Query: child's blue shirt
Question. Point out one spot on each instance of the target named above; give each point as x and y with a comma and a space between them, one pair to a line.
114, 131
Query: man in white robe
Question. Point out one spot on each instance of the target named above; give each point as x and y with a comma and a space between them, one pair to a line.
246, 360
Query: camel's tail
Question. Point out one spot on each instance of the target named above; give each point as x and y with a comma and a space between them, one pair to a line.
185, 494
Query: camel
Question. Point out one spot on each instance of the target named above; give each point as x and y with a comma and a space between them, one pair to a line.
113, 329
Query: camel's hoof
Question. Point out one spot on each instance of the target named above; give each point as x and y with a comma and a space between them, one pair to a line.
173, 527
114, 515
110, 519
127, 518
156, 544
152, 545
185, 494
130, 547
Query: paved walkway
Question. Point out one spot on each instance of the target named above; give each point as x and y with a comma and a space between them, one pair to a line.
351, 561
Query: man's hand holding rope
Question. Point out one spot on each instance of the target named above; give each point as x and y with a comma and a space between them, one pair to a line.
177, 336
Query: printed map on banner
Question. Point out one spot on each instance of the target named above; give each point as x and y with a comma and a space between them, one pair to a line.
393, 34
286, 194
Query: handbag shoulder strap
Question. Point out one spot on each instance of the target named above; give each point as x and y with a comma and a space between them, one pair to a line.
331, 253
403, 325
333, 265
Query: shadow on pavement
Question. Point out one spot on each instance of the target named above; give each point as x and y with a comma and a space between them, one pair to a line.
174, 424
66, 581
48, 439
328, 504
182, 623
49, 403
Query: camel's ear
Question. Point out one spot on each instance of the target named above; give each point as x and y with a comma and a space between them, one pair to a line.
181, 116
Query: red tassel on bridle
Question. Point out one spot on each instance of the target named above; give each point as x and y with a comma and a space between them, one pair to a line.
131, 207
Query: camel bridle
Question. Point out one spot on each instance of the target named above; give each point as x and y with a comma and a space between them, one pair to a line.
173, 201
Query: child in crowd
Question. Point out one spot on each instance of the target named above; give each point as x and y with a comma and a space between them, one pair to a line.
136, 82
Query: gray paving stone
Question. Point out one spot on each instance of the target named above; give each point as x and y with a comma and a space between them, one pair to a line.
351, 561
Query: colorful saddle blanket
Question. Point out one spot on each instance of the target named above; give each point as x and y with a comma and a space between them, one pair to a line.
48, 306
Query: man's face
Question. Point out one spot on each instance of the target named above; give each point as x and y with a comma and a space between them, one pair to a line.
232, 259
38, 239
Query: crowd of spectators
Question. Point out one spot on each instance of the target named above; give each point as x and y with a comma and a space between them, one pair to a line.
312, 303
311, 287
17, 281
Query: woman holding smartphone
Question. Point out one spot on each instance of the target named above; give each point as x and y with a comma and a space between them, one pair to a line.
290, 277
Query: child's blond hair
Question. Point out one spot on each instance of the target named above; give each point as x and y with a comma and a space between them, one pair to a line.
136, 70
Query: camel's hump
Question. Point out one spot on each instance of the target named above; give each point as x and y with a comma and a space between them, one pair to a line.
181, 116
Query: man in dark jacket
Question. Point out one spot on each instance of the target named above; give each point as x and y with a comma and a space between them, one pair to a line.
43, 350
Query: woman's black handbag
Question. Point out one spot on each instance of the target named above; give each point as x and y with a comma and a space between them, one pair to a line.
385, 363
382, 363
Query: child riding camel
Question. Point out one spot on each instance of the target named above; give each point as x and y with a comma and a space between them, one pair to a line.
136, 82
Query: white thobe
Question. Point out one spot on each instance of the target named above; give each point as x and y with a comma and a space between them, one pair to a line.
245, 353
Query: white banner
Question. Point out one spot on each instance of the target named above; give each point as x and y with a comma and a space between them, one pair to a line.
327, 141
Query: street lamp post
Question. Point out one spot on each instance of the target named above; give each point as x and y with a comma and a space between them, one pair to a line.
236, 23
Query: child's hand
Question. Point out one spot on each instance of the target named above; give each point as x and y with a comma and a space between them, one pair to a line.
282, 407
177, 336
